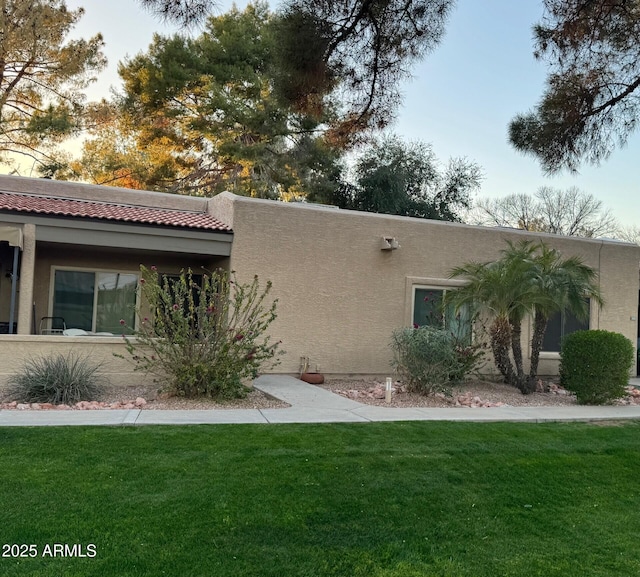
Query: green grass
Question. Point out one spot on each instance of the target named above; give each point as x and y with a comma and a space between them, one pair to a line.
362, 500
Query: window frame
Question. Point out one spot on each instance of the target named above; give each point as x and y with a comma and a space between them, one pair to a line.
95, 271
433, 284
551, 354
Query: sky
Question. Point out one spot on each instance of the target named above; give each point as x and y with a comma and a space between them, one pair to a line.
460, 98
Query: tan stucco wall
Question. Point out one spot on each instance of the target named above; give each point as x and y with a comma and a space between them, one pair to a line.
341, 296
27, 279
17, 349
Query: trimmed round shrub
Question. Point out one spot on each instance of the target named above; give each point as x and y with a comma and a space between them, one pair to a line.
595, 365
56, 379
426, 359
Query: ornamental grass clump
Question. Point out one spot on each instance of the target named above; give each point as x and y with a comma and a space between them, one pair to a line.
57, 379
595, 365
203, 338
426, 359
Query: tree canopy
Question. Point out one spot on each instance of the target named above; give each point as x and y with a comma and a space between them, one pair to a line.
357, 49
199, 115
42, 77
186, 12
591, 102
396, 177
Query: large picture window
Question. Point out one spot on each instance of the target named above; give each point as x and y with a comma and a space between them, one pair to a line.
95, 301
428, 309
559, 326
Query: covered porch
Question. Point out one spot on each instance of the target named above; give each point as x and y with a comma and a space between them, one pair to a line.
70, 268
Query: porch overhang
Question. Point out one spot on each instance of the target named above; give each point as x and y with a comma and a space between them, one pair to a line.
96, 233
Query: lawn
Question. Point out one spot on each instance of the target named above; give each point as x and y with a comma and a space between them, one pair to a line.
352, 500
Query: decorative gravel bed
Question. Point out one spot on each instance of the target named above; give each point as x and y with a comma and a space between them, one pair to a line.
146, 397
370, 392
470, 394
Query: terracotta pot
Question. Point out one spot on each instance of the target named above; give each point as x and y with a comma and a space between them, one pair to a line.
312, 378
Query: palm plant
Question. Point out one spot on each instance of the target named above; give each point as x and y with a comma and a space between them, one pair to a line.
505, 290
529, 278
562, 285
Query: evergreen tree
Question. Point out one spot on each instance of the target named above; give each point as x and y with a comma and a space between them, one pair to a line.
42, 77
353, 54
186, 12
592, 100
199, 115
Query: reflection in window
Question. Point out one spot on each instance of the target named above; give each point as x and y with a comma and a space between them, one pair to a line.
116, 300
428, 309
95, 301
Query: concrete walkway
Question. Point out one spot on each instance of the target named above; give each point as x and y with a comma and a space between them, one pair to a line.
310, 404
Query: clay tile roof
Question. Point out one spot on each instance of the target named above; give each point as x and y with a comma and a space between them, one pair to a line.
107, 211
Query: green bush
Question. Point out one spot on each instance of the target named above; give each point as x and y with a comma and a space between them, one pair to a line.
426, 359
203, 338
595, 365
57, 379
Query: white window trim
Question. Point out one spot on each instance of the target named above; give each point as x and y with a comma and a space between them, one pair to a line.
52, 282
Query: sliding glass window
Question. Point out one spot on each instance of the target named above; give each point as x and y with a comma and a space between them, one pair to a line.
95, 301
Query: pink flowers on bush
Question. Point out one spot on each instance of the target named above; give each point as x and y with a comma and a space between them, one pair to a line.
207, 333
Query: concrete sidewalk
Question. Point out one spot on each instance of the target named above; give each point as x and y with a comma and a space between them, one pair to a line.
311, 404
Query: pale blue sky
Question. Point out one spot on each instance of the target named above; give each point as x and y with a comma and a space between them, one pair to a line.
460, 99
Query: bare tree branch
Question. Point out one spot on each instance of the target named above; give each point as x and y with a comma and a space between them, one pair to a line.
568, 212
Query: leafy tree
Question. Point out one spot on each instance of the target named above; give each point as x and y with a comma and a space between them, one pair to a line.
355, 50
395, 177
568, 212
591, 103
199, 115
113, 157
529, 278
42, 76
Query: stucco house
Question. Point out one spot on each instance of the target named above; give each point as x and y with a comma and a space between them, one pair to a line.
344, 279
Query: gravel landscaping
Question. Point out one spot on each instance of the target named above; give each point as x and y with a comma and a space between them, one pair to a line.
147, 397
476, 394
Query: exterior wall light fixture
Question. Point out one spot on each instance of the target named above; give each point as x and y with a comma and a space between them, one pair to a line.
389, 243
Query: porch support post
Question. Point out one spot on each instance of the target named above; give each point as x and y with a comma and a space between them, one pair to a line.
14, 286
27, 275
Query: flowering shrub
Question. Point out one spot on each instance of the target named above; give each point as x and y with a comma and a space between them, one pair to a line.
426, 359
204, 338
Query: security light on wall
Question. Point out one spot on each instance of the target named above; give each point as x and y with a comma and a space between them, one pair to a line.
389, 243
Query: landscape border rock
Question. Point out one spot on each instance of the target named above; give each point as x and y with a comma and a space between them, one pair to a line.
138, 403
473, 394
